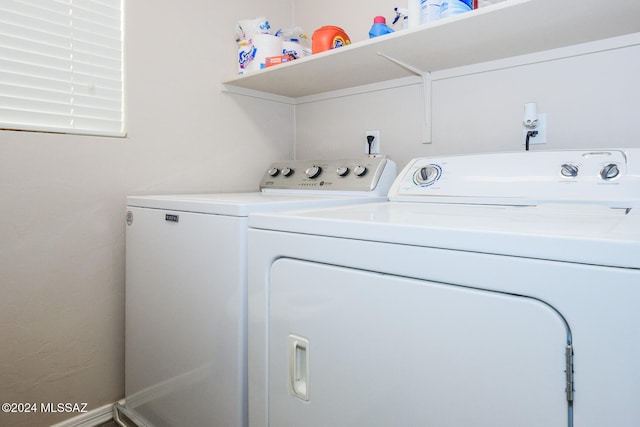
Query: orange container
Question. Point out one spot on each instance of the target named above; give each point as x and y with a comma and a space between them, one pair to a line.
328, 37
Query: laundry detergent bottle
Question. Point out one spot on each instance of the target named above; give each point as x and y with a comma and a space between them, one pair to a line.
379, 27
328, 37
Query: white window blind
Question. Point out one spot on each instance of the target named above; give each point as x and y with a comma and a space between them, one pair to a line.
61, 66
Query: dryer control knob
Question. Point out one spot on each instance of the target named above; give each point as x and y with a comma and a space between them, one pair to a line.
427, 175
609, 172
287, 172
313, 172
360, 170
569, 170
273, 172
342, 171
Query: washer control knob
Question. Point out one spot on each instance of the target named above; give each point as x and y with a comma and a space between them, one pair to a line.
360, 170
427, 175
569, 170
287, 172
313, 172
609, 172
273, 172
342, 171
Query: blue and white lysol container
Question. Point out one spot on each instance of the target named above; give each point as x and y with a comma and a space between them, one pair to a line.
455, 7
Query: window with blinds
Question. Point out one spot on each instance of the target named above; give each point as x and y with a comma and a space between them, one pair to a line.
61, 66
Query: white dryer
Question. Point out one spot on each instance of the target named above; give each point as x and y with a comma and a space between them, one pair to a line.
492, 290
186, 287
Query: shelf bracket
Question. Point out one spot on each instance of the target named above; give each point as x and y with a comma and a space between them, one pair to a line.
426, 94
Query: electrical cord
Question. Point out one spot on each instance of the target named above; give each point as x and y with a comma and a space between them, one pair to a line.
531, 133
370, 139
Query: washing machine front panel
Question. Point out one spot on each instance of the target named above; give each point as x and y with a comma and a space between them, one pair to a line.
380, 350
180, 353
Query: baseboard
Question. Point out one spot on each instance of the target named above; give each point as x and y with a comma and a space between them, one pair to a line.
89, 419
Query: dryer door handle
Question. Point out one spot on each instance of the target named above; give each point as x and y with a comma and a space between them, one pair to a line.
299, 367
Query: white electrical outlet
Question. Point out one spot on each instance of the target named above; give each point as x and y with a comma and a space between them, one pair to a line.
541, 137
375, 144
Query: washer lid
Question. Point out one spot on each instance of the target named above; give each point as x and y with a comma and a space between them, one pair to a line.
292, 184
241, 204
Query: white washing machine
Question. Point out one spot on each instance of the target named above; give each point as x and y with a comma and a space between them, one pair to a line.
186, 280
492, 290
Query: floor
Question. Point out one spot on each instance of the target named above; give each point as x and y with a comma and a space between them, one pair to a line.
110, 423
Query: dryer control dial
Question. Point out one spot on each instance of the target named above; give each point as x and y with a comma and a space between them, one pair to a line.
360, 170
273, 172
427, 175
609, 172
569, 170
342, 171
313, 172
287, 172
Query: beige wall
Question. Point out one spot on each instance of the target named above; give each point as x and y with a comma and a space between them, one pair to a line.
62, 197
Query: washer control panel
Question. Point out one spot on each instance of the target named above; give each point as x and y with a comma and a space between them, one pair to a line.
343, 175
610, 177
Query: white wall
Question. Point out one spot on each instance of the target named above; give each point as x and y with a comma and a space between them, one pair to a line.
62, 197
589, 93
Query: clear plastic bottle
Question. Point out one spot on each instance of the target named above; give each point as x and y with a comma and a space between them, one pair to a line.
379, 27
455, 7
431, 10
